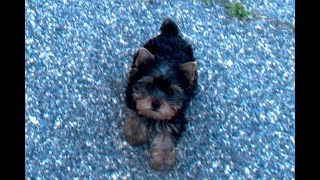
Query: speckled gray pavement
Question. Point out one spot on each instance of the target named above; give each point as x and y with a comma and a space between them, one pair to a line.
78, 53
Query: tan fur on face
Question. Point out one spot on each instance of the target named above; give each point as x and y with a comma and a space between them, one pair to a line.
164, 112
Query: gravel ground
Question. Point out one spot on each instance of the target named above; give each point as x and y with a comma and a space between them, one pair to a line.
78, 53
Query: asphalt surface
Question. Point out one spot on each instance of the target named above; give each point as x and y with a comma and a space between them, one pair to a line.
78, 53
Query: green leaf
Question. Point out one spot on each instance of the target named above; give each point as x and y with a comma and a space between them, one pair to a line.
238, 10
238, 5
208, 2
232, 12
249, 16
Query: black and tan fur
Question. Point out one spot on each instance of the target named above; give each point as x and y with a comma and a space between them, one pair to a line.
161, 83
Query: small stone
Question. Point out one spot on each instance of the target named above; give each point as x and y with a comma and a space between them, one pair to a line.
29, 41
236, 90
227, 170
262, 116
252, 61
57, 125
258, 27
229, 63
42, 55
247, 170
34, 120
32, 23
46, 116
123, 42
32, 61
292, 138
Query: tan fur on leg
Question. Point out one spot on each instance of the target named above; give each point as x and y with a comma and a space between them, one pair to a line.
134, 130
163, 154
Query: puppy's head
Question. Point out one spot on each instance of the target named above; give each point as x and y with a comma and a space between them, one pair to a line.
160, 89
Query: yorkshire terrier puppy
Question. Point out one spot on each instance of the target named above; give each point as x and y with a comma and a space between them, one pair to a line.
161, 83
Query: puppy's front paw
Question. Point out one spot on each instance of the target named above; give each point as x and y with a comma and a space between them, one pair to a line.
135, 132
163, 154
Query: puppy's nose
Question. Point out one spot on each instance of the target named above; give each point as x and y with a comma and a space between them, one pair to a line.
156, 103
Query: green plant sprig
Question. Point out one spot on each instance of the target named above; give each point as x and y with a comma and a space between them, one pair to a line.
238, 10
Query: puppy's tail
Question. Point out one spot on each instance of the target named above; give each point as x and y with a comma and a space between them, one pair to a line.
169, 27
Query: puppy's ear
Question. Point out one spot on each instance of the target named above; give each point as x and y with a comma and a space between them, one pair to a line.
144, 56
189, 69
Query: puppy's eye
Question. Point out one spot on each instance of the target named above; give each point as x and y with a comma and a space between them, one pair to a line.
148, 85
169, 92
